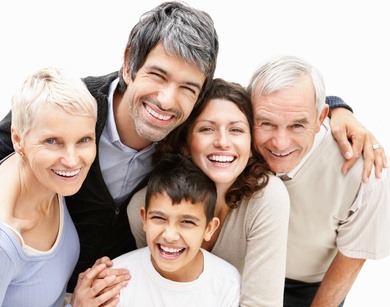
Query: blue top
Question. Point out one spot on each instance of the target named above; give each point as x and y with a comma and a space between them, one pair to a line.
34, 278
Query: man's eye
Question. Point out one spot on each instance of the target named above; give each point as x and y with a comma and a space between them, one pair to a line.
155, 74
297, 126
190, 90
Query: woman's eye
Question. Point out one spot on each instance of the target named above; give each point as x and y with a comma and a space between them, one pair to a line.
237, 130
51, 141
205, 129
85, 139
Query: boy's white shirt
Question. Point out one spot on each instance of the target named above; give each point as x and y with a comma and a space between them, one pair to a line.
218, 284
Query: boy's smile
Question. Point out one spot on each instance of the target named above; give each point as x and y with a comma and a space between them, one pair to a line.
174, 235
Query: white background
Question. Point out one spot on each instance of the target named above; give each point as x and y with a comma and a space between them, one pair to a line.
347, 40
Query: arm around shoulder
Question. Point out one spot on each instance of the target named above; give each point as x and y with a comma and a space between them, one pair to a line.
6, 146
134, 217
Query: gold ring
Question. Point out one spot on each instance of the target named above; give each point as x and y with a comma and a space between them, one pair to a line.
376, 146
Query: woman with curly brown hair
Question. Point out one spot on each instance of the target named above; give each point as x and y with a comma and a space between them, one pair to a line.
252, 204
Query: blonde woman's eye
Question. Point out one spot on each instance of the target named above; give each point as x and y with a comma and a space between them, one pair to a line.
85, 140
51, 141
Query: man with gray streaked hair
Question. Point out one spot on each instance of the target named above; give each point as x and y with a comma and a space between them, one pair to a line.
336, 221
170, 59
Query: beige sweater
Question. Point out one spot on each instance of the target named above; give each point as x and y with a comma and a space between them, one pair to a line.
253, 238
332, 212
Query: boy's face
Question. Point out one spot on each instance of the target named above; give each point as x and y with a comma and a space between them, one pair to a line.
174, 234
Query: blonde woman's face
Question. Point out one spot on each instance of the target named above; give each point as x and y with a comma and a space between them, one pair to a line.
59, 151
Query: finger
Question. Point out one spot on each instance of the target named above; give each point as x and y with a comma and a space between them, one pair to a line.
357, 147
344, 144
103, 260
119, 279
380, 161
106, 296
117, 271
369, 160
104, 273
112, 303
82, 274
91, 274
100, 284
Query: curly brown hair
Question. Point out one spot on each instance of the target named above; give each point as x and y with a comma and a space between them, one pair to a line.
255, 175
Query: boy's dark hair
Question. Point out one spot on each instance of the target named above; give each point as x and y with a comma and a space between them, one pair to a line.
181, 179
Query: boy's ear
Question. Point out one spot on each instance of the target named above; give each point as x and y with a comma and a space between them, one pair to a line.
143, 217
211, 228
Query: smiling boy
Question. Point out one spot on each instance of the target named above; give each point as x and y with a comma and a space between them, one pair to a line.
173, 270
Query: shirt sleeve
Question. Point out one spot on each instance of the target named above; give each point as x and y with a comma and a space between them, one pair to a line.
366, 232
265, 259
336, 102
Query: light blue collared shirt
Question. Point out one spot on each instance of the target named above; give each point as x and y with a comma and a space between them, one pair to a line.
122, 167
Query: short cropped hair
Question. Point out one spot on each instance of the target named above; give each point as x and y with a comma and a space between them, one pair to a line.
285, 71
179, 178
183, 31
46, 89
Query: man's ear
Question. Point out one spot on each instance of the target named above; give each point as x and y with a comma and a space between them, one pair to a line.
211, 228
126, 70
324, 113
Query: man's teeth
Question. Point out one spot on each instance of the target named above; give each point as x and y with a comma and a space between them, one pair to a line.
221, 158
280, 154
156, 115
67, 174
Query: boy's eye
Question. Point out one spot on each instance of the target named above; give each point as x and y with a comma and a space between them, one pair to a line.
189, 222
155, 217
